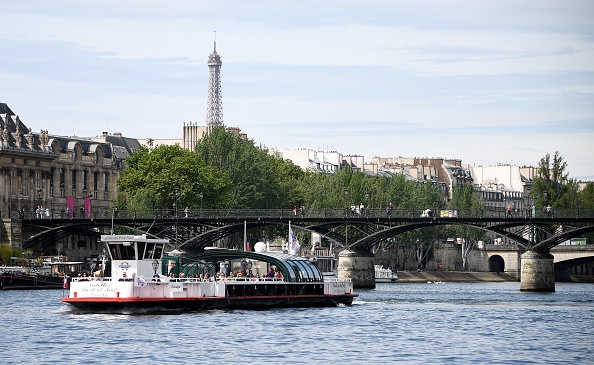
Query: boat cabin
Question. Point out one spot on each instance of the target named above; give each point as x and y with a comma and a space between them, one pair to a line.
68, 268
131, 255
254, 264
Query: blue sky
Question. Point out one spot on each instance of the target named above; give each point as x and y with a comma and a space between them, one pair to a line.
486, 82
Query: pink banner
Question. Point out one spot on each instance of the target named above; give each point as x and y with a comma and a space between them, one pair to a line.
70, 206
87, 207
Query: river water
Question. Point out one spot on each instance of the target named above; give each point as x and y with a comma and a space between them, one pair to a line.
404, 323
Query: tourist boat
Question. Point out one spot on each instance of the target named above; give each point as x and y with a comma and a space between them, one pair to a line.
142, 276
384, 275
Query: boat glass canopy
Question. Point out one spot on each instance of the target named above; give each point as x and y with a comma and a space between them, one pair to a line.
293, 268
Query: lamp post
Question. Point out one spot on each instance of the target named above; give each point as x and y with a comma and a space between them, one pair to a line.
90, 212
201, 197
346, 224
51, 205
367, 204
155, 265
21, 211
346, 203
175, 212
175, 203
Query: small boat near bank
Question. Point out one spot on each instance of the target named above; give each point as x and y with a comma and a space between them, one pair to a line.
49, 275
385, 275
17, 280
143, 277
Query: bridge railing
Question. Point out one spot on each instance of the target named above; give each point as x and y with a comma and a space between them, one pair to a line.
304, 214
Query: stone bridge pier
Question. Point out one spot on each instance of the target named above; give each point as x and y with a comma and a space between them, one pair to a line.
537, 272
359, 266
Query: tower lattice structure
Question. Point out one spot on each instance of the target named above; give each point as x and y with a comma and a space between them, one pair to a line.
214, 112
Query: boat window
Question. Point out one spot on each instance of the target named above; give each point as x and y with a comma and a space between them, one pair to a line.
306, 272
291, 270
120, 251
150, 250
297, 271
158, 251
141, 249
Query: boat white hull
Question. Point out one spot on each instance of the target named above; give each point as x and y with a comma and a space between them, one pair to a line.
196, 295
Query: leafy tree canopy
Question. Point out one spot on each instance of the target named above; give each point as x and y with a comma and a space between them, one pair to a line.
153, 176
258, 180
552, 186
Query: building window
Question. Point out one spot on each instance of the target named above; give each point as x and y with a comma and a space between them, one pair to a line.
105, 182
73, 185
95, 181
62, 182
84, 179
24, 187
11, 182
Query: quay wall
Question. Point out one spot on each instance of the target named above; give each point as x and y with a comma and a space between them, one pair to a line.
462, 276
452, 276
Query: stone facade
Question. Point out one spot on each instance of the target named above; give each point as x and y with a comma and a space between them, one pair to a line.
45, 176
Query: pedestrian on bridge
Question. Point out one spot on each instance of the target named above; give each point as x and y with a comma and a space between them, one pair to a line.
509, 212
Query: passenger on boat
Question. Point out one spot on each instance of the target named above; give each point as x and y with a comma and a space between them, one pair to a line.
269, 274
277, 274
206, 277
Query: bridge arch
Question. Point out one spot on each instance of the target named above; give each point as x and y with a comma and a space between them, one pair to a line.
496, 263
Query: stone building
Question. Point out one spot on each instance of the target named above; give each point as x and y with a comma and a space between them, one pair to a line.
43, 176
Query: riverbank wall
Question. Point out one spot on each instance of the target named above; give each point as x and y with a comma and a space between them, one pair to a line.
465, 276
452, 276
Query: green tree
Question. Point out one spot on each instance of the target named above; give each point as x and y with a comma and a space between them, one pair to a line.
253, 173
586, 201
553, 186
586, 196
154, 175
466, 201
5, 254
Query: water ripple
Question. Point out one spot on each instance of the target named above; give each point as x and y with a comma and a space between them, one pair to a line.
472, 323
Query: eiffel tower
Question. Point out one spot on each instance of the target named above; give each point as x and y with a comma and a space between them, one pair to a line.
214, 108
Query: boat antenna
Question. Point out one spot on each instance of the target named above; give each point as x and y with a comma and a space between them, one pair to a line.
152, 224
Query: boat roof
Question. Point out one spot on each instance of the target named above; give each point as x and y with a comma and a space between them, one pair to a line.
117, 238
294, 268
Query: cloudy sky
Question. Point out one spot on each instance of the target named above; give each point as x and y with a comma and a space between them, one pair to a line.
486, 82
